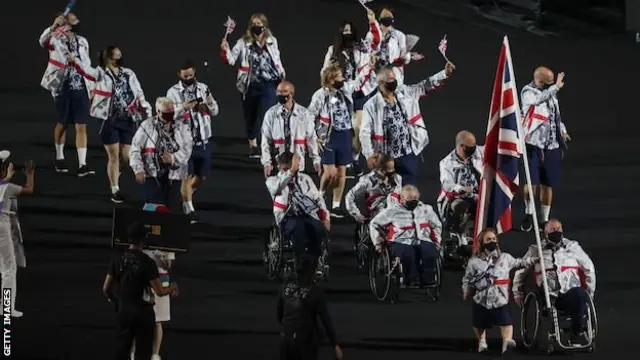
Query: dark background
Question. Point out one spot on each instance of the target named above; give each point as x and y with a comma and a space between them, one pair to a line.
226, 307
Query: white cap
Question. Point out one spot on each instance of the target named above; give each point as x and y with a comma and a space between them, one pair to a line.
4, 154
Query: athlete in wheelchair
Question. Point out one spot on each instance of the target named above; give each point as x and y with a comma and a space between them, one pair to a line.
459, 177
571, 280
406, 240
380, 189
301, 220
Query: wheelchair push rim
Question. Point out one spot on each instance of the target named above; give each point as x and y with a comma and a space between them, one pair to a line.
274, 253
362, 249
530, 304
380, 266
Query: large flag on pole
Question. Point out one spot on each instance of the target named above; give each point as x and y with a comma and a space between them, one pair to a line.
499, 180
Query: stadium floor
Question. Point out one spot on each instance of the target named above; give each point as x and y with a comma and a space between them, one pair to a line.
226, 307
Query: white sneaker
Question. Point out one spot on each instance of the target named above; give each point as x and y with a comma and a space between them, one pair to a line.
16, 314
508, 345
482, 345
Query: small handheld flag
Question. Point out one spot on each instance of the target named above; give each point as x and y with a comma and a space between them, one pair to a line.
230, 25
442, 47
363, 2
67, 10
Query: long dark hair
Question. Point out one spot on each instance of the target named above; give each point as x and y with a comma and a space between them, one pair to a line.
105, 55
339, 45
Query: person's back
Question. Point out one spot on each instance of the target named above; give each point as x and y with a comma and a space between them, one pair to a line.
134, 270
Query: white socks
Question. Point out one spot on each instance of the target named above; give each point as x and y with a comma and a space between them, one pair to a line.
545, 210
528, 207
356, 157
82, 156
187, 206
59, 151
115, 189
336, 204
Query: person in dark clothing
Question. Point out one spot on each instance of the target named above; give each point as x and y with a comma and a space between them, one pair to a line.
128, 285
300, 303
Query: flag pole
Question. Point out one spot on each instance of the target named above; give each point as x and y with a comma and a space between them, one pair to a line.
536, 228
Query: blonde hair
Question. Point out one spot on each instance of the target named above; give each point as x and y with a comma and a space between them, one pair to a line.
163, 103
409, 189
248, 35
330, 73
480, 239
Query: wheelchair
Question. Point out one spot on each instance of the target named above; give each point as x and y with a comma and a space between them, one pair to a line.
453, 242
386, 279
362, 247
279, 258
548, 330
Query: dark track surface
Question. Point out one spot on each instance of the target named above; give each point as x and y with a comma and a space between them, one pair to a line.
226, 306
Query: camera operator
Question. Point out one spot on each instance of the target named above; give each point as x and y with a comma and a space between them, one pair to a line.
135, 275
300, 303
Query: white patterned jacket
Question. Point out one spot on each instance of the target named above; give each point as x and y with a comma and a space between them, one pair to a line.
103, 93
177, 94
144, 157
488, 277
378, 195
398, 224
56, 70
569, 264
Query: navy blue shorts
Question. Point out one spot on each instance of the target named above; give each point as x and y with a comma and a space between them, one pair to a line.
160, 191
407, 167
339, 150
200, 161
484, 318
117, 130
359, 99
72, 106
544, 166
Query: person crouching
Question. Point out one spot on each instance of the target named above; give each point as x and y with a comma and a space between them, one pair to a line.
487, 280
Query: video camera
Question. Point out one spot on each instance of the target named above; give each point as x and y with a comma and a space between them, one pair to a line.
165, 231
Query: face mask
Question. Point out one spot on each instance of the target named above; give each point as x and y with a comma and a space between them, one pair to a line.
391, 85
386, 21
469, 150
75, 28
117, 62
282, 99
347, 38
257, 30
555, 237
188, 82
411, 204
338, 84
546, 86
167, 116
490, 246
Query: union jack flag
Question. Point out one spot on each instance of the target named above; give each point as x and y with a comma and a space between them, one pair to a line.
230, 25
443, 46
499, 181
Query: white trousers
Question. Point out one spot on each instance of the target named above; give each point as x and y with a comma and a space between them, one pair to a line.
8, 263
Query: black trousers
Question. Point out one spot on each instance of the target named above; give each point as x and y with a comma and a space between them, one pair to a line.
296, 348
574, 302
135, 323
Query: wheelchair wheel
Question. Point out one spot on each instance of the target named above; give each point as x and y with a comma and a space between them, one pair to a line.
530, 320
362, 248
382, 279
273, 253
592, 322
324, 259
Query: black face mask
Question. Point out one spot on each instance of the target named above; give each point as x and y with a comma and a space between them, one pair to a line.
411, 204
257, 30
347, 39
386, 21
117, 62
378, 65
385, 175
338, 84
75, 28
167, 116
490, 246
555, 237
188, 82
282, 99
469, 150
391, 85
546, 86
